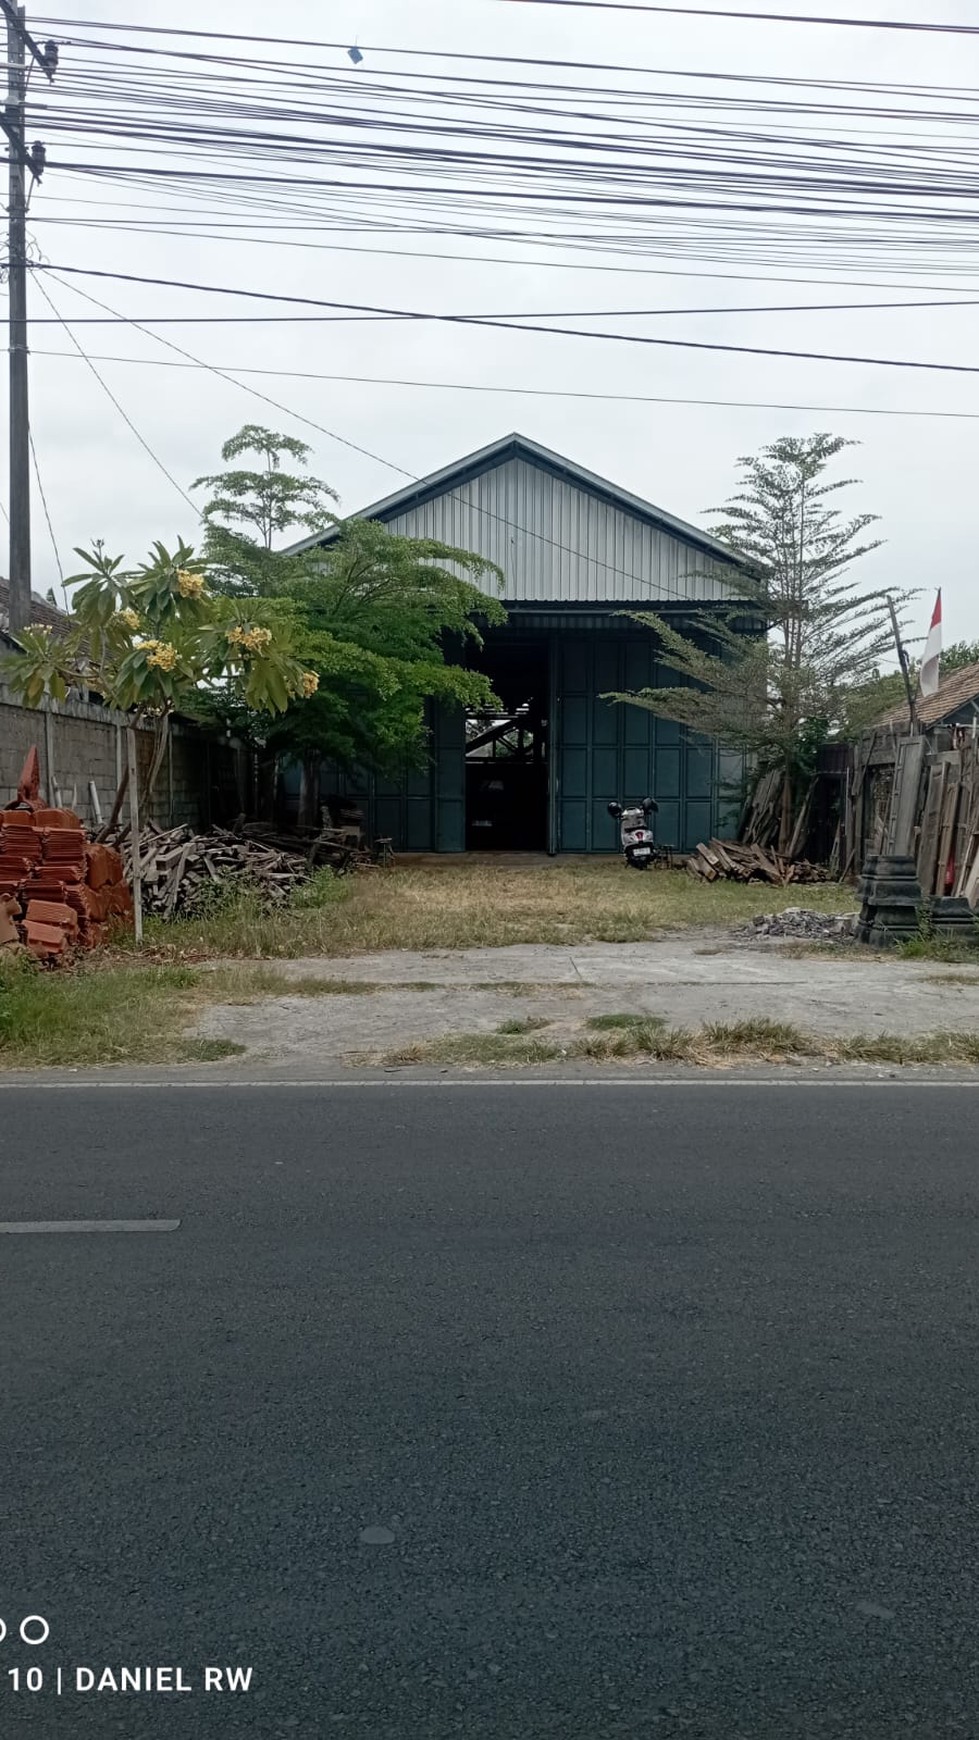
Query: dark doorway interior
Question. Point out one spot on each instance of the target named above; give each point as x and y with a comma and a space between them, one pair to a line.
506, 753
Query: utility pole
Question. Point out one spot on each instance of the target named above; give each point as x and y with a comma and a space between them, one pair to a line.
20, 164
20, 452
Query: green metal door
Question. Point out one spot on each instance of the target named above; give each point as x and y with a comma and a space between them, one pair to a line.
604, 752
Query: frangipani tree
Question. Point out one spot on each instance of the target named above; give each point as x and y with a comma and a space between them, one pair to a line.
154, 641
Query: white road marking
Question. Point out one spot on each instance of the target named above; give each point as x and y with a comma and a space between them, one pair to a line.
702, 1083
88, 1226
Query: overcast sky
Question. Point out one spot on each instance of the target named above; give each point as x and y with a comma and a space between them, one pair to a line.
918, 474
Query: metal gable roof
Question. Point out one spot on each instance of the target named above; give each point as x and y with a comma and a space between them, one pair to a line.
515, 446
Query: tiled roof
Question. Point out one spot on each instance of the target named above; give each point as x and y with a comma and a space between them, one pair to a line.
955, 691
42, 613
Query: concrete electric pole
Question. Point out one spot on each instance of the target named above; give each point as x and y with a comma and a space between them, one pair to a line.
21, 163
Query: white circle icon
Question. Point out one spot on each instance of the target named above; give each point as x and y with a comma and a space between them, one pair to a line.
34, 1619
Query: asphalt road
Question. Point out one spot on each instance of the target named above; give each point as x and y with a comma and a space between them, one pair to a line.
659, 1408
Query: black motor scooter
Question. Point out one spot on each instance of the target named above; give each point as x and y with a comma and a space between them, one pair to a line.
636, 836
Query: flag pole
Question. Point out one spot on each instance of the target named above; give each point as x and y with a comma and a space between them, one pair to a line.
904, 663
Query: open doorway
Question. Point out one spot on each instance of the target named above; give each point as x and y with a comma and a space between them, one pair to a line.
507, 753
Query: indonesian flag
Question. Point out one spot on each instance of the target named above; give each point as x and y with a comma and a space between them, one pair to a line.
932, 657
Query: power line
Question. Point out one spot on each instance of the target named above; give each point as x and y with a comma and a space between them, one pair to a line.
497, 325
595, 5
223, 375
534, 392
760, 17
123, 414
536, 314
130, 226
472, 506
547, 149
47, 516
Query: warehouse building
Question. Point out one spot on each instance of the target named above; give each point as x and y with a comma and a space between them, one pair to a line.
577, 554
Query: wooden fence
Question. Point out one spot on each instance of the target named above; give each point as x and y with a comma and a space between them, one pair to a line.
916, 795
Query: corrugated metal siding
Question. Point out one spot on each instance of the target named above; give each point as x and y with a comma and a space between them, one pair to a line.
557, 543
606, 751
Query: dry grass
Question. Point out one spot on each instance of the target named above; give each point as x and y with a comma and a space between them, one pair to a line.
716, 1045
479, 906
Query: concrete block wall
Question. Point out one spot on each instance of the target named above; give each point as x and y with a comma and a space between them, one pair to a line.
203, 778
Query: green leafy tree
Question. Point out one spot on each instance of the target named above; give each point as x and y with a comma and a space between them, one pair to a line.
960, 654
382, 619
815, 639
255, 505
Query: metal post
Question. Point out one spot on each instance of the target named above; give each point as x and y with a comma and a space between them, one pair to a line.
137, 873
20, 453
551, 769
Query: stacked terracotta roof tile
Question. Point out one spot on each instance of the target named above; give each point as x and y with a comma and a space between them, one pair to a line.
57, 889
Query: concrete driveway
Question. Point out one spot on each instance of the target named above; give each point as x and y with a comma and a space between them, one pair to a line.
686, 980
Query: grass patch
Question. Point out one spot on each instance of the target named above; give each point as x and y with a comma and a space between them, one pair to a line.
530, 1024
207, 1050
756, 1038
943, 1047
845, 948
471, 906
249, 984
939, 948
952, 979
714, 1045
522, 988
477, 1048
603, 1023
95, 1014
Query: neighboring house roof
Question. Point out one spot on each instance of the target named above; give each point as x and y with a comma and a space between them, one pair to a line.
43, 613
956, 691
558, 531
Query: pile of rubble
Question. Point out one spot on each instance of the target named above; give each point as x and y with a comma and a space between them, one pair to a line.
801, 925
58, 890
727, 860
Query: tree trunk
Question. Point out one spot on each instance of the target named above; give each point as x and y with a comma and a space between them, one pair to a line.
309, 792
785, 821
163, 737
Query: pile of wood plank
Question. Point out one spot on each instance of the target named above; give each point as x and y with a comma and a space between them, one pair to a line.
177, 865
341, 848
727, 860
761, 818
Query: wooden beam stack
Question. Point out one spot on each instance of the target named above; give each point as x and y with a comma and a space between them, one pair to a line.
728, 860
